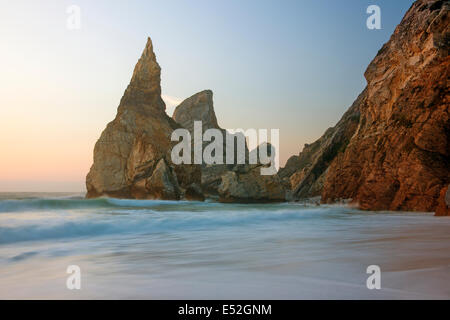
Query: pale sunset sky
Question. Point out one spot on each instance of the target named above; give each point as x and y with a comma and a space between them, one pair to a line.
295, 65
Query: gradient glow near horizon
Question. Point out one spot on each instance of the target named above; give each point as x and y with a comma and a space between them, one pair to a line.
291, 65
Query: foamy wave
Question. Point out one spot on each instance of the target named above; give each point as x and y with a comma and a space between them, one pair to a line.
157, 222
61, 231
45, 204
141, 203
77, 203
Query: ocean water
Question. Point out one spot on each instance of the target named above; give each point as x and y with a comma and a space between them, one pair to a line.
130, 249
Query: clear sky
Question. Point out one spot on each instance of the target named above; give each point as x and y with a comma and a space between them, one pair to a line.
294, 65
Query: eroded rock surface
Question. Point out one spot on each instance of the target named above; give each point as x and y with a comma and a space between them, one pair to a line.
305, 174
227, 182
399, 158
132, 156
443, 207
398, 154
247, 185
199, 107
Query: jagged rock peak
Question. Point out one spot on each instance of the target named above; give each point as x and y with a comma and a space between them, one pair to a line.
147, 68
145, 84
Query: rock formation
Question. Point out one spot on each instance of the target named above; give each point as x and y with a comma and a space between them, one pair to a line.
132, 156
390, 150
200, 107
227, 182
246, 184
305, 174
443, 207
398, 154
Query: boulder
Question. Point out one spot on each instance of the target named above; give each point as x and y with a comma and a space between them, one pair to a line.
247, 185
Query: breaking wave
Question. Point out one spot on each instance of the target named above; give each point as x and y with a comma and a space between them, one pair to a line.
73, 203
152, 217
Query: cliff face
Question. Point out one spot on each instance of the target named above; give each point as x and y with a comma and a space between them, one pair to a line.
390, 150
399, 157
443, 207
305, 174
398, 154
132, 156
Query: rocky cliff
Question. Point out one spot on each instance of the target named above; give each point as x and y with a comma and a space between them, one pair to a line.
200, 107
132, 156
397, 156
305, 174
227, 182
390, 150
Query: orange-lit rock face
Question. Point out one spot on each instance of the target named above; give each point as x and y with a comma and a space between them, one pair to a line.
443, 208
399, 156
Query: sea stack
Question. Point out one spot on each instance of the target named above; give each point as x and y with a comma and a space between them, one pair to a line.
227, 182
132, 156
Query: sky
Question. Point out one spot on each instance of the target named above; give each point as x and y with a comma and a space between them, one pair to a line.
292, 65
